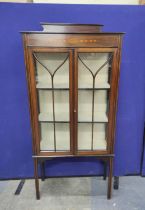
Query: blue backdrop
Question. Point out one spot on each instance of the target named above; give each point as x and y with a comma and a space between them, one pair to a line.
15, 132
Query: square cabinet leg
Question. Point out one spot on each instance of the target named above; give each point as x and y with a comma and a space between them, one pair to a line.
36, 178
42, 164
109, 193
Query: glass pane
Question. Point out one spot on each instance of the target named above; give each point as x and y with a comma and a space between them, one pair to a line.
62, 136
94, 61
52, 83
61, 105
85, 106
47, 64
93, 91
85, 136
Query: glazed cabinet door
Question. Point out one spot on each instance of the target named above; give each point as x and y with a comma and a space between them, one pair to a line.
51, 86
94, 79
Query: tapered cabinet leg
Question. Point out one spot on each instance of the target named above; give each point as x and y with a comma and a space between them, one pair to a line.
36, 178
109, 193
43, 170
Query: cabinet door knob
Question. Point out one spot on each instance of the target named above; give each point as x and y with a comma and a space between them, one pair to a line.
75, 110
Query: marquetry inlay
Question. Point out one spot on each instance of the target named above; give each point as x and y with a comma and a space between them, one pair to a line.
88, 40
81, 40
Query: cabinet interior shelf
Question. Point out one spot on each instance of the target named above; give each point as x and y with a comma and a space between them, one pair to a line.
48, 121
98, 86
45, 117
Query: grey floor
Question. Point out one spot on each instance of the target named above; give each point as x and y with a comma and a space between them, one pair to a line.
74, 194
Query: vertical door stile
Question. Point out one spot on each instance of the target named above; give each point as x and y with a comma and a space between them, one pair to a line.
71, 99
75, 111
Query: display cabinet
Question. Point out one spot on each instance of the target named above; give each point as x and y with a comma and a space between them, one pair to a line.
72, 73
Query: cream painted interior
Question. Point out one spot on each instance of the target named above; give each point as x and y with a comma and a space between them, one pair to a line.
85, 79
62, 136
88, 1
61, 80
50, 62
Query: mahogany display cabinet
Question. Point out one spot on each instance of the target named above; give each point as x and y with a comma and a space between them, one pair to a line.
72, 73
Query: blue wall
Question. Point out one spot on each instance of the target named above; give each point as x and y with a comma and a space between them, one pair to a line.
15, 132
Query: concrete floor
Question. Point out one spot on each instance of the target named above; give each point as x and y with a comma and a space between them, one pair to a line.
74, 194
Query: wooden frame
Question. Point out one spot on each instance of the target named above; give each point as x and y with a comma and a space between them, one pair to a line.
73, 44
113, 98
142, 2
34, 98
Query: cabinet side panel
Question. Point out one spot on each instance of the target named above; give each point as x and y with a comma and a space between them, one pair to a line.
117, 66
114, 97
29, 90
